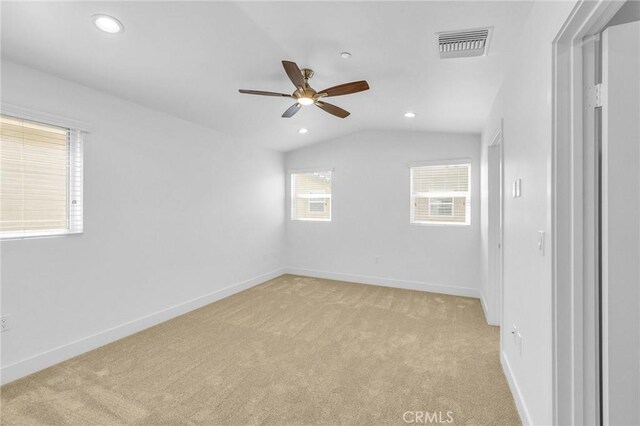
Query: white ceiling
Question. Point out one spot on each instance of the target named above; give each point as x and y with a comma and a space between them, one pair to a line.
189, 59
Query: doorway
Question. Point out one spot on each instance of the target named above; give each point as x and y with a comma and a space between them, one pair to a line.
495, 225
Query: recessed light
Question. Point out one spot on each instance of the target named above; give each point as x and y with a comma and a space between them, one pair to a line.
409, 114
345, 55
303, 131
108, 24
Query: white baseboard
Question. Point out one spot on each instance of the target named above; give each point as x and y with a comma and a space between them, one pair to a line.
515, 391
54, 356
487, 315
386, 282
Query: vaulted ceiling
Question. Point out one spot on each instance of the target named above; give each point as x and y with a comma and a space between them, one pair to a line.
189, 59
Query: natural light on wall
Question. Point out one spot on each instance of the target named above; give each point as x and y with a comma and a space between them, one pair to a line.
311, 196
40, 179
440, 194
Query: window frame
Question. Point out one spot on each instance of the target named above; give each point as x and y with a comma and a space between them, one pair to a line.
467, 195
325, 197
75, 171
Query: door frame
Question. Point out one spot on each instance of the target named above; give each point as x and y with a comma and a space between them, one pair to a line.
572, 252
497, 142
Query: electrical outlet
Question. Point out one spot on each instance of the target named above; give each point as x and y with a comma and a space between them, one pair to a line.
5, 323
514, 334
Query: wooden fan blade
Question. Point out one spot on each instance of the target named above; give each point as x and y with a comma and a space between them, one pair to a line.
332, 109
291, 111
294, 73
263, 93
346, 89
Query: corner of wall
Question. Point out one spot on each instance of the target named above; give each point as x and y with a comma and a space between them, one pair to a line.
489, 315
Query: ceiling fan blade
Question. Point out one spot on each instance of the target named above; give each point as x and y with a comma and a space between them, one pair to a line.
294, 73
346, 89
263, 93
332, 109
291, 111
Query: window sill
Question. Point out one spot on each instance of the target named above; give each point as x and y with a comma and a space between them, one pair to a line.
439, 224
32, 235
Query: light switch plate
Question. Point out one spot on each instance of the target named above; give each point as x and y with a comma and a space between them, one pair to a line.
516, 188
541, 242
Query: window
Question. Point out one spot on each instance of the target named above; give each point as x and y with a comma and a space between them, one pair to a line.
440, 194
311, 196
40, 179
441, 206
317, 205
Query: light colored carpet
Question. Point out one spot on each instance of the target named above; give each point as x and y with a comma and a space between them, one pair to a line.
295, 351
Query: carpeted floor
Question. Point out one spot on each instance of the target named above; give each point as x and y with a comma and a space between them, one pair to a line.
294, 351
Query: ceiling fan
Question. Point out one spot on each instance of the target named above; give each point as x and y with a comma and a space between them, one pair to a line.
306, 95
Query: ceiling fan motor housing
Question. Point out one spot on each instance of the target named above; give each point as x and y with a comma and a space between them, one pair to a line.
306, 91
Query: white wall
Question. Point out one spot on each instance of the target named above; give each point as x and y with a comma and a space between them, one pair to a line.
173, 212
370, 217
524, 101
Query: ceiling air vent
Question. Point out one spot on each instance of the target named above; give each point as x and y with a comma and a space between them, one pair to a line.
463, 44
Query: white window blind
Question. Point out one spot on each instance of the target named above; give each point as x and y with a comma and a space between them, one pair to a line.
40, 179
440, 194
311, 196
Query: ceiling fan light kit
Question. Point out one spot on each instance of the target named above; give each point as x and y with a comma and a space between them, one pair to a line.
303, 100
306, 95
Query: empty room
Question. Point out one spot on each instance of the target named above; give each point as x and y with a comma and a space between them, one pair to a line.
320, 212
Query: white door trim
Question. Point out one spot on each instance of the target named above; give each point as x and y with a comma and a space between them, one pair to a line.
566, 212
495, 317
